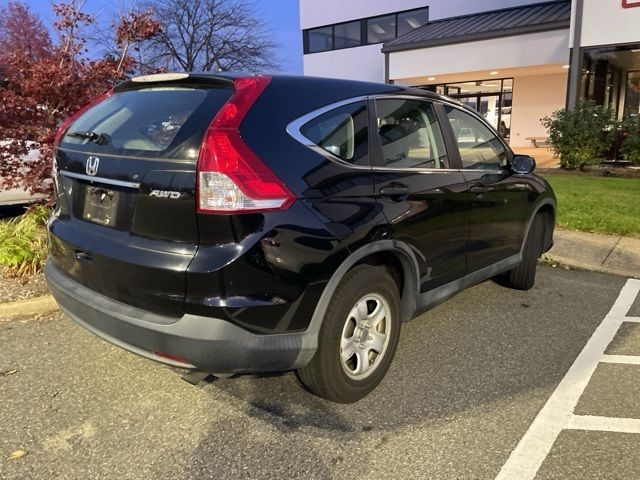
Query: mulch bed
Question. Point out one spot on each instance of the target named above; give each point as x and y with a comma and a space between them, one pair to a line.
13, 289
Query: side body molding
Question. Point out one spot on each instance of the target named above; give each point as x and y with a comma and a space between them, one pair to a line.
438, 295
413, 303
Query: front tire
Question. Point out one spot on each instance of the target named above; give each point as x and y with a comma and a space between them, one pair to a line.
358, 337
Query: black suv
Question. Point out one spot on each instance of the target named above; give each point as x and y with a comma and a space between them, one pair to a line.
228, 224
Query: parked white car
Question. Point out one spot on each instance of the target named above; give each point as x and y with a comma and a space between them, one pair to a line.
17, 196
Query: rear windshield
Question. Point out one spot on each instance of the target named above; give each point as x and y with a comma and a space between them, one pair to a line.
163, 122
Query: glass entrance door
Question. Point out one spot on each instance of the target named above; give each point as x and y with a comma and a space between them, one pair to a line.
491, 107
469, 101
492, 98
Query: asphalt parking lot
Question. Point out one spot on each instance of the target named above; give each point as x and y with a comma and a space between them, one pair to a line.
461, 401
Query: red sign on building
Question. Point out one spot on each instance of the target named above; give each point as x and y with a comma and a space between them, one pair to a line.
630, 3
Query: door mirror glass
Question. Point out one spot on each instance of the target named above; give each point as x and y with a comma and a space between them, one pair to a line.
523, 164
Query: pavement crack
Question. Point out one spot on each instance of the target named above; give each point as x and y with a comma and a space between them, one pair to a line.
611, 251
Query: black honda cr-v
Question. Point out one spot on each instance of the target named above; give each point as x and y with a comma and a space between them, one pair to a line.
228, 224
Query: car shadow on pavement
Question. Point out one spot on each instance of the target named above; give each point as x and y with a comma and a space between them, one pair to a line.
448, 366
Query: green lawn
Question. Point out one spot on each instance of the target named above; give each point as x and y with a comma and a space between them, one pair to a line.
597, 204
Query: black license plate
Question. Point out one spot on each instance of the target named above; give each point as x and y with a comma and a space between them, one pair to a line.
100, 206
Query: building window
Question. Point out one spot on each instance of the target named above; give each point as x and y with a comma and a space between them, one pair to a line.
409, 21
632, 97
381, 29
320, 39
364, 31
347, 35
610, 77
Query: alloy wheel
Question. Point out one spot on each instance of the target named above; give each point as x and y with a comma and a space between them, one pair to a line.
365, 336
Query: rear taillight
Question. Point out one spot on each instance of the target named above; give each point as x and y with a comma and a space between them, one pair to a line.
231, 177
74, 116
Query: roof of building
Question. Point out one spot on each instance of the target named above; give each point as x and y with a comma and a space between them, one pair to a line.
538, 17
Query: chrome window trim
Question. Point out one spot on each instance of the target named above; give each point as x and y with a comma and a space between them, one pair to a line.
293, 129
107, 181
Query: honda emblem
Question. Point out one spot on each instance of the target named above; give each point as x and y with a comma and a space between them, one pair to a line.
92, 166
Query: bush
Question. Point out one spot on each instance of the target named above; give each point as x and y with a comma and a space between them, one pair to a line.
580, 135
23, 242
630, 146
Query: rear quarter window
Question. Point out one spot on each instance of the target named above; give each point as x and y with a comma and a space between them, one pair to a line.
149, 122
342, 132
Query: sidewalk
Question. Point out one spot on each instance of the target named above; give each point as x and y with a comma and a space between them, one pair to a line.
594, 251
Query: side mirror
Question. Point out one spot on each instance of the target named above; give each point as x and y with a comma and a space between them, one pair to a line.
523, 164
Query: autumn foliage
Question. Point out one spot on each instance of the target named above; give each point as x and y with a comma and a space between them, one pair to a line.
21, 31
42, 82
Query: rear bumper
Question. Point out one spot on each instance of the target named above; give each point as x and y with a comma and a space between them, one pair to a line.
201, 343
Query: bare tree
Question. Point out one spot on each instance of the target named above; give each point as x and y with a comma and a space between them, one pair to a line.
127, 36
205, 35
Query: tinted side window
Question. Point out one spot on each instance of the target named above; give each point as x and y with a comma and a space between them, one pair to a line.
480, 149
320, 39
342, 132
410, 134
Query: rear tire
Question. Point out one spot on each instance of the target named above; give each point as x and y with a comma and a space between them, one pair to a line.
358, 337
523, 277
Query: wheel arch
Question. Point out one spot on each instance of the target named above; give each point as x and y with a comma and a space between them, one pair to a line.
548, 207
373, 253
549, 210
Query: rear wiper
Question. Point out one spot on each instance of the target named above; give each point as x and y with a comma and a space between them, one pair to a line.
99, 138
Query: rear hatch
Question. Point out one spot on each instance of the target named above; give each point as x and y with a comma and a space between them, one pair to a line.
125, 173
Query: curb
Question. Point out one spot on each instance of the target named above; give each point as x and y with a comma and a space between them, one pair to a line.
576, 265
28, 308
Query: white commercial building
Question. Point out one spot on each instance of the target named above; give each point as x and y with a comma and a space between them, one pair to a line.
510, 59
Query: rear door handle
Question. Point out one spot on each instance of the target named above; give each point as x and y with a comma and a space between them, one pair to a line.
396, 191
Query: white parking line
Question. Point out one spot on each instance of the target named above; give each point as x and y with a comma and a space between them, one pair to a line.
557, 413
627, 359
604, 424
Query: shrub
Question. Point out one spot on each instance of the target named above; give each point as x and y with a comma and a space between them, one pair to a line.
23, 242
580, 135
630, 146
